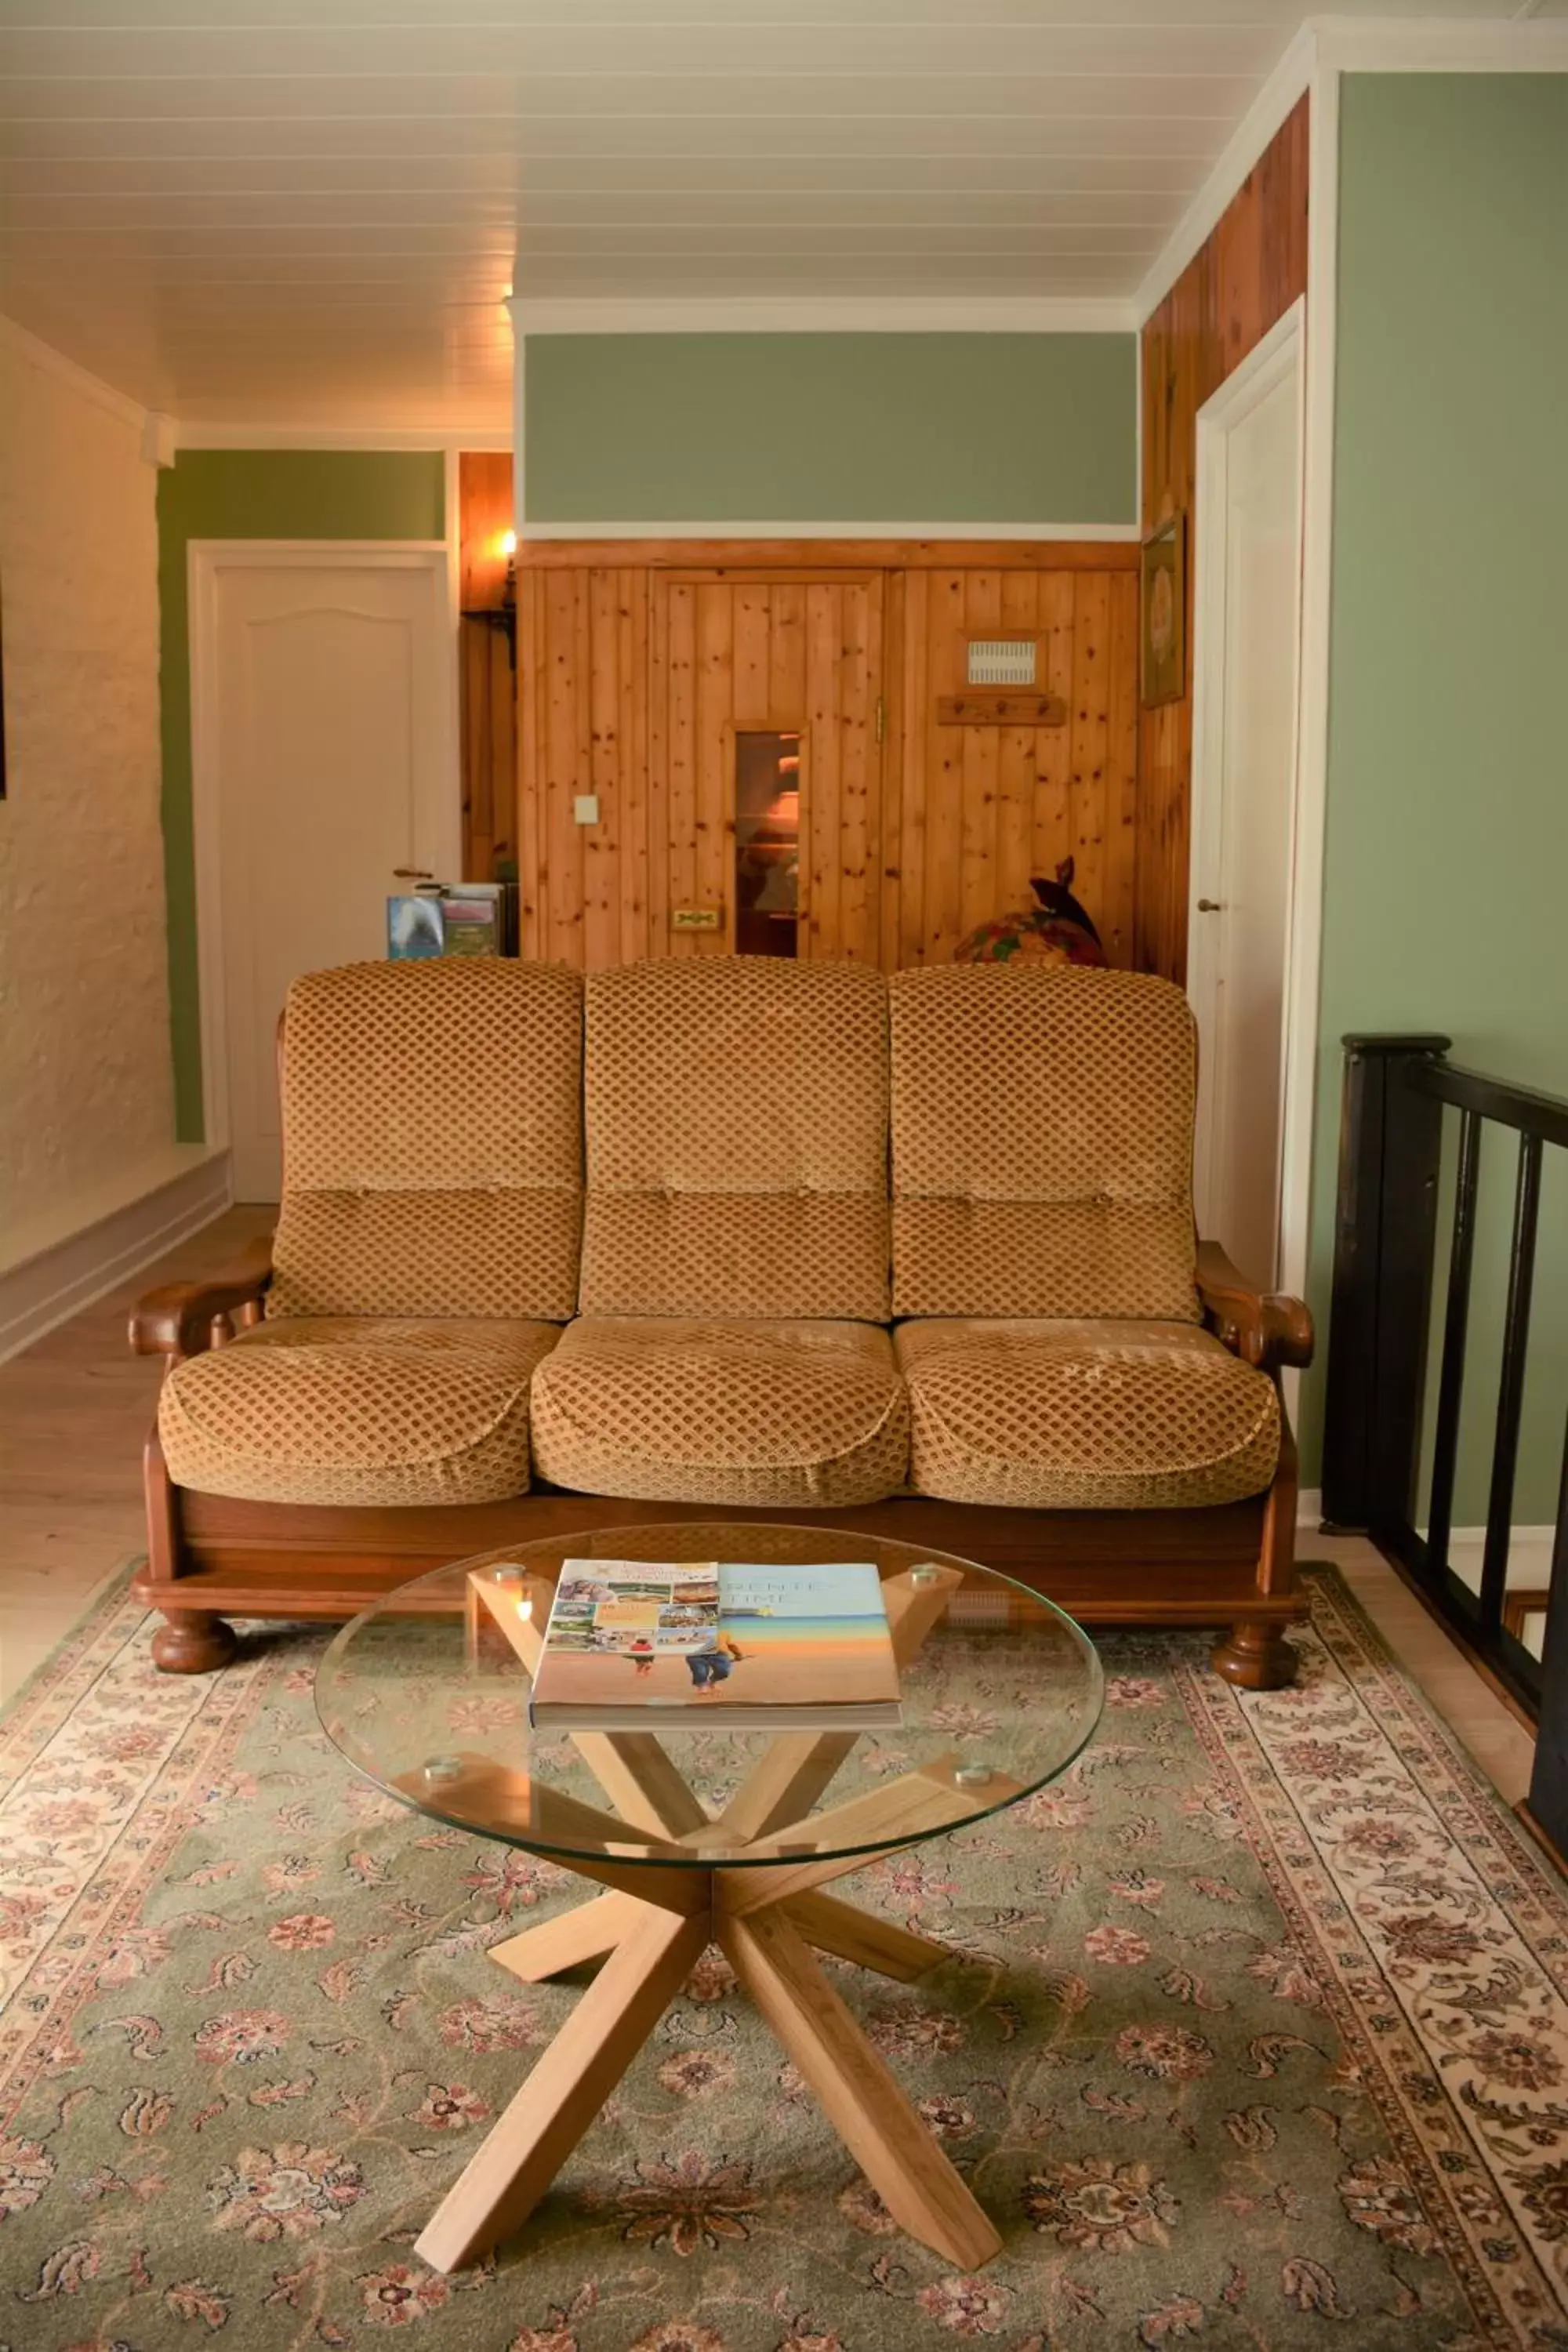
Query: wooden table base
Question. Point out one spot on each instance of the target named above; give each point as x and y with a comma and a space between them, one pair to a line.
648, 1950
659, 1914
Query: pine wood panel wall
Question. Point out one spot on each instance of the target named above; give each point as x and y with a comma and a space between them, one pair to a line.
1246, 276
975, 810
487, 686
635, 680
583, 661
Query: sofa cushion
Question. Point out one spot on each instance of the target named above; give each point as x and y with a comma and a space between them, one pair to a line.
322, 1410
432, 1142
737, 1116
795, 1414
1042, 1125
1074, 1417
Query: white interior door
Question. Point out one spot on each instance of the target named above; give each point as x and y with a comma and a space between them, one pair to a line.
325, 758
1247, 617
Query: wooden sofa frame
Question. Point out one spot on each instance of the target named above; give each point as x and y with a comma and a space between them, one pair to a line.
1231, 1565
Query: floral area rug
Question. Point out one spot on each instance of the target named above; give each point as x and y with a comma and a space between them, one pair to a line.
1255, 2035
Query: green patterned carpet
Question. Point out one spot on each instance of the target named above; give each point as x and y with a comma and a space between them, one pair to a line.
1255, 2035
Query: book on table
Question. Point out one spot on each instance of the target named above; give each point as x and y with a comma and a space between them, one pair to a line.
716, 1643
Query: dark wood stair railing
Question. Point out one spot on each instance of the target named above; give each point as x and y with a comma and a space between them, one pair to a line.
1396, 1091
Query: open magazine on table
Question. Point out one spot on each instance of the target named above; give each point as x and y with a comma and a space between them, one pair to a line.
716, 1642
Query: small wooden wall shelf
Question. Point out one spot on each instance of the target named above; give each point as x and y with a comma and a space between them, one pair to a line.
997, 706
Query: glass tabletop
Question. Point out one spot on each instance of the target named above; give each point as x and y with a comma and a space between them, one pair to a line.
427, 1694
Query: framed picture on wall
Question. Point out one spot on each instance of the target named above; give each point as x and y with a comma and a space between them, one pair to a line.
1163, 668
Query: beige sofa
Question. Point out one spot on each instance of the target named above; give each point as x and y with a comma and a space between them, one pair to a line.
771, 1238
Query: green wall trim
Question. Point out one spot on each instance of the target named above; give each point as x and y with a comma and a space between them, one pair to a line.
253, 494
1447, 799
873, 428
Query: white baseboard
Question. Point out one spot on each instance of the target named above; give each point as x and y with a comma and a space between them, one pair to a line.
38, 1290
1529, 1552
1529, 1556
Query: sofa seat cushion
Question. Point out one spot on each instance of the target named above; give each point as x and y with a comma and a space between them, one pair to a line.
348, 1410
1085, 1416
792, 1414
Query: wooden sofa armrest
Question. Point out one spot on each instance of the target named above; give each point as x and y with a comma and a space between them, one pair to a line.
177, 1320
1264, 1328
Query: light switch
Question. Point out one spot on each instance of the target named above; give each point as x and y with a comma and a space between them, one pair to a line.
586, 808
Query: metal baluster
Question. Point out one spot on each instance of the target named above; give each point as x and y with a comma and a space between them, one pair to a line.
1456, 1320
1511, 1388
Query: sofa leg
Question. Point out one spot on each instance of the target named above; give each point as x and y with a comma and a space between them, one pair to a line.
189, 1642
1255, 1656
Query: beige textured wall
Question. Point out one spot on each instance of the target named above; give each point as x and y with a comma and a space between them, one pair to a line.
86, 1087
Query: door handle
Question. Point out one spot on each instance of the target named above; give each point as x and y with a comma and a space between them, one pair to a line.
1210, 907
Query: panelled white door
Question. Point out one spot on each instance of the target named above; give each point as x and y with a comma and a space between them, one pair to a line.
325, 757
1248, 620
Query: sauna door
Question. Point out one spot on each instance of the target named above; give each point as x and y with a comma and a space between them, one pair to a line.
764, 764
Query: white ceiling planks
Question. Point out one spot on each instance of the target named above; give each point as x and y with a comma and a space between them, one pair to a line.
310, 212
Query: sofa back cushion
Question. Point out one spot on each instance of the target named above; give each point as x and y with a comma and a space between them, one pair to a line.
1042, 1143
432, 1141
737, 1112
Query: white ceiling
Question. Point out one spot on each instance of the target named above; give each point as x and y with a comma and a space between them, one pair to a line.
311, 210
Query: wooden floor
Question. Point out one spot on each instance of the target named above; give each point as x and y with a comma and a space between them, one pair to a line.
74, 1410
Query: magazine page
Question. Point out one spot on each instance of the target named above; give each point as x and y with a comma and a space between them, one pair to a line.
794, 1636
622, 1629
630, 1633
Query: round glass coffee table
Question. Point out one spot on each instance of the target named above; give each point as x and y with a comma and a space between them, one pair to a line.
700, 1834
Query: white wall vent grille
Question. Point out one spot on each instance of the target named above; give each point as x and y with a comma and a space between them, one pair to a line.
1002, 661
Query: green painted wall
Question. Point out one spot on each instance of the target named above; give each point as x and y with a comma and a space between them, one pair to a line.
834, 427
1447, 817
253, 494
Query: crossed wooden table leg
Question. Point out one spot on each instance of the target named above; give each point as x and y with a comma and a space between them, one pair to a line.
653, 1921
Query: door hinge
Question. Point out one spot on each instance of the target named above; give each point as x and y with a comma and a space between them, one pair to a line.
881, 718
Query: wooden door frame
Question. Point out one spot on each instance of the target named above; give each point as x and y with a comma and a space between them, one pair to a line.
208, 561
1277, 359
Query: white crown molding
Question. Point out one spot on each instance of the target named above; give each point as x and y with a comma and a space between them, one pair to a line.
192, 433
1440, 44
31, 347
1285, 86
657, 527
823, 314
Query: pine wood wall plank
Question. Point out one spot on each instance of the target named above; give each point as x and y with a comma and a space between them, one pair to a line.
1051, 834
680, 800
714, 816
911, 704
1090, 725
859, 802
602, 842
754, 649
981, 760
945, 671
1018, 754
532, 917
822, 850
1118, 903
633, 681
